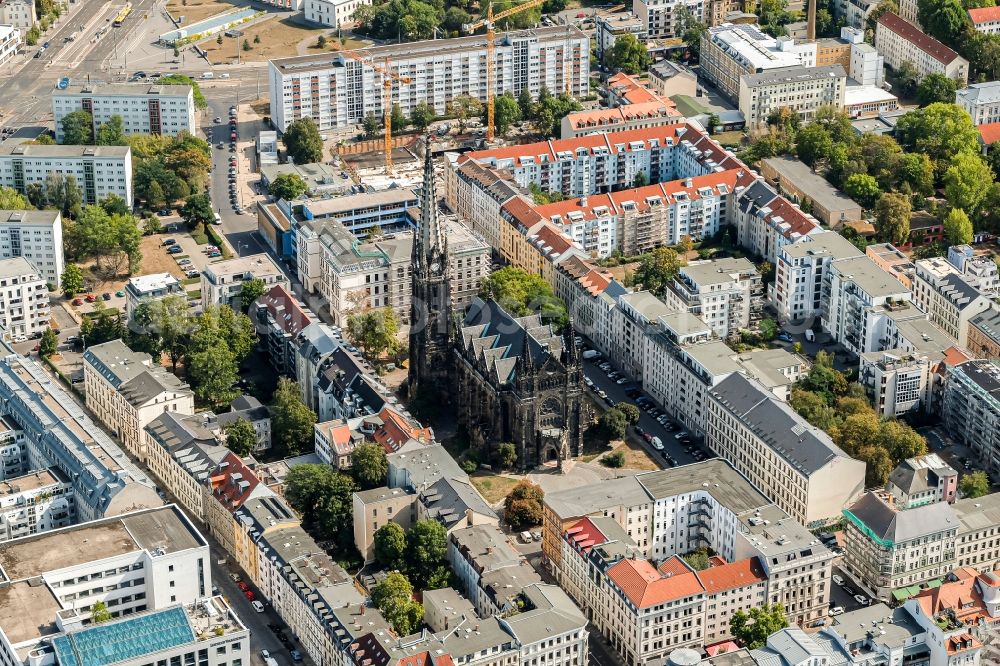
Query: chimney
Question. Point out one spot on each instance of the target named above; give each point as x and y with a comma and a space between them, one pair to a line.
811, 20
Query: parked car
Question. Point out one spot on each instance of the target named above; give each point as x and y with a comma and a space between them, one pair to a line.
839, 580
170, 241
836, 610
784, 337
657, 443
243, 586
264, 654
257, 606
525, 537
249, 594
90, 298
175, 249
296, 655
681, 435
862, 599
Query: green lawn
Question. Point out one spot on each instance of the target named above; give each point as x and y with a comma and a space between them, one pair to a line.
688, 106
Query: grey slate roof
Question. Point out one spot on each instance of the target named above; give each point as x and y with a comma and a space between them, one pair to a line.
804, 446
553, 613
448, 500
902, 526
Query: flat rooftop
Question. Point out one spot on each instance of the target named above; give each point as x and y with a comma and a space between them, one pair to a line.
31, 481
62, 151
822, 192
256, 264
585, 500
27, 611
714, 476
124, 90
866, 274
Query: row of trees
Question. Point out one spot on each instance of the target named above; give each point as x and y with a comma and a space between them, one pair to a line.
78, 130
108, 233
169, 169
828, 401
420, 553
413, 20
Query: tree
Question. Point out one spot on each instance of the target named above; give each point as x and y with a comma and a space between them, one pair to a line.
630, 411
241, 437
11, 199
967, 181
422, 116
523, 506
936, 87
99, 613
614, 460
657, 269
369, 465
154, 195
48, 344
892, 218
943, 19
627, 55
957, 227
640, 180
862, 188
752, 629
393, 596
165, 324
397, 120
291, 420
372, 126
768, 329
697, 559
426, 547
303, 141
212, 372
321, 42
246, 45
219, 40
506, 112
614, 423
939, 130
974, 484
287, 186
464, 107
198, 210
813, 143
113, 240
374, 331
898, 439
78, 128
72, 280
183, 80
507, 455
112, 133
250, 291
323, 496
521, 293
690, 29
389, 544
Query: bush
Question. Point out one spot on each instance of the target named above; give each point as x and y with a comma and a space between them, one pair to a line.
615, 460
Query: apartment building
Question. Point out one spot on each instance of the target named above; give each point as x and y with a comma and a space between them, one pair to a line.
667, 513
99, 170
800, 269
981, 271
10, 42
331, 12
280, 318
355, 275
727, 294
36, 502
333, 91
366, 212
668, 78
971, 409
618, 119
948, 297
981, 101
976, 544
766, 221
477, 196
244, 408
985, 20
231, 485
923, 480
898, 382
35, 235
860, 297
141, 561
730, 51
887, 257
376, 508
603, 163
19, 14
984, 335
796, 465
46, 428
489, 569
797, 181
143, 107
144, 288
803, 90
222, 281
126, 390
609, 26
24, 299
900, 41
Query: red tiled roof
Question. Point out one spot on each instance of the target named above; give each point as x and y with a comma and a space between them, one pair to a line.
285, 310
918, 38
397, 430
551, 241
602, 117
644, 586
962, 642
233, 482
984, 15
673, 566
799, 223
742, 573
584, 535
990, 132
523, 211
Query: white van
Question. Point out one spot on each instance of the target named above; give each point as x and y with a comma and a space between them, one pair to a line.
810, 335
208, 75
257, 606
218, 219
657, 443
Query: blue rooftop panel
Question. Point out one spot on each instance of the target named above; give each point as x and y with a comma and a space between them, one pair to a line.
126, 639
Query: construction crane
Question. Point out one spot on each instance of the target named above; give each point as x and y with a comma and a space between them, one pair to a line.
490, 23
388, 78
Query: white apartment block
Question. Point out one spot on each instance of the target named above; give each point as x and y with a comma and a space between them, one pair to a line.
981, 271
900, 41
24, 299
948, 297
222, 281
99, 170
854, 12
796, 465
331, 12
604, 163
36, 502
10, 42
659, 17
727, 294
126, 390
766, 221
335, 91
797, 292
141, 561
143, 107
145, 288
859, 293
35, 235
729, 51
898, 382
18, 13
801, 89
981, 101
609, 26
985, 20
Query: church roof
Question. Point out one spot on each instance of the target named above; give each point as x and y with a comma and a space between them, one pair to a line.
497, 339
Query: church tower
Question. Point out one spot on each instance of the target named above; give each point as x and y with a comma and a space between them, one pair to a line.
430, 308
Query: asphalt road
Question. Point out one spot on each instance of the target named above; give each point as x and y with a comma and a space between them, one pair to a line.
616, 392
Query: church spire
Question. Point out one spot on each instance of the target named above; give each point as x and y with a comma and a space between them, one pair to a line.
431, 239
